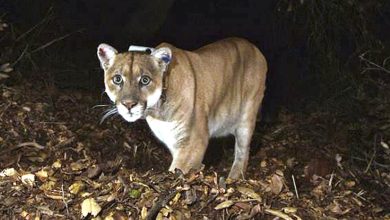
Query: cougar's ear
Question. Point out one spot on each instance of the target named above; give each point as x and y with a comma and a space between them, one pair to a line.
106, 55
163, 55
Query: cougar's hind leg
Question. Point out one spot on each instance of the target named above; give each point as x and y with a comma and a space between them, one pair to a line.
243, 135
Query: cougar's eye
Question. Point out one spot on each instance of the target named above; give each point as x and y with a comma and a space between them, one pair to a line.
117, 79
145, 80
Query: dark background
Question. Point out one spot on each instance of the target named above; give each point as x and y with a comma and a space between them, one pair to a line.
327, 86
312, 46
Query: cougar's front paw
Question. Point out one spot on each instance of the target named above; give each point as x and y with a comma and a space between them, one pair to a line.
236, 173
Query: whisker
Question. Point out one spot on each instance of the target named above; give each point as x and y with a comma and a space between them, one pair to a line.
109, 109
108, 113
99, 106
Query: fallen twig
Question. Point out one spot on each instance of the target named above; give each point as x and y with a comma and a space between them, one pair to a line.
31, 144
20, 56
25, 144
330, 181
209, 201
377, 67
63, 199
374, 162
372, 158
5, 109
360, 195
160, 203
65, 143
295, 186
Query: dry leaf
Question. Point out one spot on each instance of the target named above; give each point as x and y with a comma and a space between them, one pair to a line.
112, 197
350, 184
384, 145
335, 208
249, 193
159, 216
278, 214
176, 198
166, 211
144, 212
320, 190
117, 215
76, 187
6, 68
76, 166
243, 205
24, 214
276, 184
42, 174
8, 172
28, 179
47, 186
57, 164
54, 195
289, 210
223, 205
26, 108
3, 76
90, 206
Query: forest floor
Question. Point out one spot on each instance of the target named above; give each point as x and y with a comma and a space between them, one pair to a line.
58, 162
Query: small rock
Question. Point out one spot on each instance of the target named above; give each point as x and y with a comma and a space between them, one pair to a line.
94, 171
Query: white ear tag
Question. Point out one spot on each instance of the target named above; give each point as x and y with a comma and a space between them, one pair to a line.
141, 49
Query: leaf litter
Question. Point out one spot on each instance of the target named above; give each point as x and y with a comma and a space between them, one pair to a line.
57, 162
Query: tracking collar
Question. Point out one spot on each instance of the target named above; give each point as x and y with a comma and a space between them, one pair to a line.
134, 48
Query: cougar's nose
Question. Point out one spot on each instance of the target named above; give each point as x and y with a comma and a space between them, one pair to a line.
129, 103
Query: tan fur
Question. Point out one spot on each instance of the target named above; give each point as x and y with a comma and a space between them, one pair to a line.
214, 91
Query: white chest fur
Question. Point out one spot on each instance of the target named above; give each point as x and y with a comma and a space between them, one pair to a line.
168, 132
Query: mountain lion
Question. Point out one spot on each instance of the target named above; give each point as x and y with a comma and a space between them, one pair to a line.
187, 97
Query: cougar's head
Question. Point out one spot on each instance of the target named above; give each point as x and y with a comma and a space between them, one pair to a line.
133, 80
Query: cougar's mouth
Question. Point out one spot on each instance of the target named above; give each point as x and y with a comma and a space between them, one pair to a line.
132, 114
